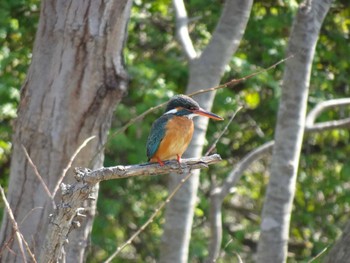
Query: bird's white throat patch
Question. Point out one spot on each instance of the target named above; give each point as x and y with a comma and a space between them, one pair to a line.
189, 116
171, 111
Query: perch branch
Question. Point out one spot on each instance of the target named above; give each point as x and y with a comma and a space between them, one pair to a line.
121, 171
171, 195
73, 196
176, 189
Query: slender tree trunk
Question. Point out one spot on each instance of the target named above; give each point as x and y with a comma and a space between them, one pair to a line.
340, 252
73, 84
205, 72
272, 246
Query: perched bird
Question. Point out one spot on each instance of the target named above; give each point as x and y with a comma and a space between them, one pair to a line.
171, 134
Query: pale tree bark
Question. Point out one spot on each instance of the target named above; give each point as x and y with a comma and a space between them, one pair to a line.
70, 209
73, 84
205, 72
340, 252
273, 242
219, 193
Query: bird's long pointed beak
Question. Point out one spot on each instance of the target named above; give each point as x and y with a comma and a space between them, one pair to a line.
208, 114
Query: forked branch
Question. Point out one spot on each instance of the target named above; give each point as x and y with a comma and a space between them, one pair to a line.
69, 212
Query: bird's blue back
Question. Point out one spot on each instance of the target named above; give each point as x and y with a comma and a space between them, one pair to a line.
157, 134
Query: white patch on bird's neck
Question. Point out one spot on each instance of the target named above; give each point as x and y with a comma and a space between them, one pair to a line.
171, 111
188, 116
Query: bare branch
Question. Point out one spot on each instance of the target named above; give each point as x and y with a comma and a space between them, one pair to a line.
128, 242
244, 164
70, 164
318, 255
121, 171
150, 220
37, 173
310, 124
73, 196
19, 236
223, 131
234, 82
182, 29
219, 193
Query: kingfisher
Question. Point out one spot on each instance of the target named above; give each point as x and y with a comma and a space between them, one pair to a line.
171, 133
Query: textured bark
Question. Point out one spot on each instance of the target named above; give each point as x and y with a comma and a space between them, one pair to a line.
219, 193
67, 214
205, 72
340, 252
73, 84
273, 242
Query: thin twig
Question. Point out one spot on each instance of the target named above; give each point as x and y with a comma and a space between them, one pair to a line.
70, 164
150, 220
10, 239
212, 147
237, 255
234, 82
37, 173
318, 255
171, 195
228, 84
19, 236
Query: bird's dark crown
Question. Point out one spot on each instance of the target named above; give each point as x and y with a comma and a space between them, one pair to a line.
182, 101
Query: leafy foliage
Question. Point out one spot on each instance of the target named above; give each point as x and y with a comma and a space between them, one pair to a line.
158, 70
18, 22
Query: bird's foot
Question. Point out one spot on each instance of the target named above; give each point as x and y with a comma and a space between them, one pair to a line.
160, 162
179, 161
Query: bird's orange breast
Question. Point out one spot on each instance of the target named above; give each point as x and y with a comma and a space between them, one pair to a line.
178, 135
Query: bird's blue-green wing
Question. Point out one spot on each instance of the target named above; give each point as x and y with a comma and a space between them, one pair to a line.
156, 135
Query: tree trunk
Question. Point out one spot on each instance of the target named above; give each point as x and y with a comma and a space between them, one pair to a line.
340, 252
73, 84
272, 246
205, 72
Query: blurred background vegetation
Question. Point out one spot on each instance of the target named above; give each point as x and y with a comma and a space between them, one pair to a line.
157, 69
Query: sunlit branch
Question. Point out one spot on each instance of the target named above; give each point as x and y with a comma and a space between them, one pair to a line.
310, 124
65, 215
